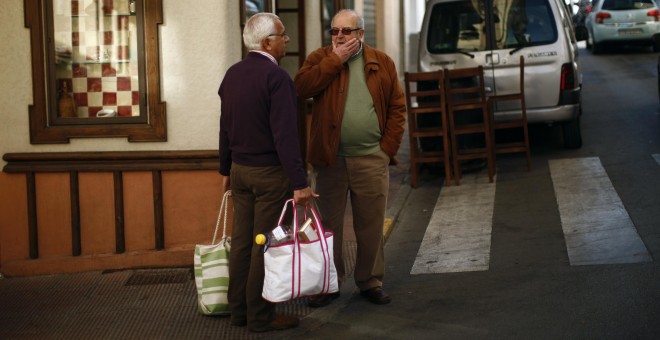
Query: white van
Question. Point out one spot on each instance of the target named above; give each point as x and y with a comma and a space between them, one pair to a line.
493, 34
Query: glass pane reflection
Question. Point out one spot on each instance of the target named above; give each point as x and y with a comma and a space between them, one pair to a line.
96, 58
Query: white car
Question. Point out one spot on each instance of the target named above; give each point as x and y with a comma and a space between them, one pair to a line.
623, 22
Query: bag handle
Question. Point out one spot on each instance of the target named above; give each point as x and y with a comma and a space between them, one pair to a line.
224, 206
323, 244
295, 214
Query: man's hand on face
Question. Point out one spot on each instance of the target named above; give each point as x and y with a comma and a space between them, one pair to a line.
346, 50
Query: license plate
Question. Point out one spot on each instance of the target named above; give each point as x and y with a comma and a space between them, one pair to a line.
632, 31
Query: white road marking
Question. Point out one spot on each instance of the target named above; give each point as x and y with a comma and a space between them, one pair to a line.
457, 238
597, 227
656, 156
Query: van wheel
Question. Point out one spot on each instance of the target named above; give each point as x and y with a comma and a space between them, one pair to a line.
572, 134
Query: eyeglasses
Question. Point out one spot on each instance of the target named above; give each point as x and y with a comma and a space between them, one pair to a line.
283, 35
344, 31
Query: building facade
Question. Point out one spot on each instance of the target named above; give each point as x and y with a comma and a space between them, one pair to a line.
110, 120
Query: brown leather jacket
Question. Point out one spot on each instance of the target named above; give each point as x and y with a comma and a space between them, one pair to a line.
324, 78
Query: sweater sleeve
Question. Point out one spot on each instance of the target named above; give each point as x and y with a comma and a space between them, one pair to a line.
224, 151
284, 125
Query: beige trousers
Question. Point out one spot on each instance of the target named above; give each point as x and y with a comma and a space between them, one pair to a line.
366, 180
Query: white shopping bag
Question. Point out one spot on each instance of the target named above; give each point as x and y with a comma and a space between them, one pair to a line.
297, 269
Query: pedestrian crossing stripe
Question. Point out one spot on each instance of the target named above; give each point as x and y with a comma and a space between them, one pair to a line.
457, 238
596, 225
597, 228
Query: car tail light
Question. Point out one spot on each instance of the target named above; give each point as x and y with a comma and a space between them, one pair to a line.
655, 13
588, 9
567, 77
600, 16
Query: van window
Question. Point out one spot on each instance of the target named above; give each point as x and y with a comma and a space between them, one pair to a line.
459, 26
455, 26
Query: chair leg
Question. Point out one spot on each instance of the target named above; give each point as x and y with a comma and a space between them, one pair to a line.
457, 168
447, 170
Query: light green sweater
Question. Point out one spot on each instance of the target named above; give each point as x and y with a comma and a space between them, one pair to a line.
360, 134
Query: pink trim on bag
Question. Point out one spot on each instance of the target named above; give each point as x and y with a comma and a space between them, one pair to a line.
326, 253
296, 264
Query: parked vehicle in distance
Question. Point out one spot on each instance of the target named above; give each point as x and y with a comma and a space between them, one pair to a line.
493, 34
579, 18
623, 22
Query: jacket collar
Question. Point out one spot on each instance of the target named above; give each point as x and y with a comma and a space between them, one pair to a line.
370, 59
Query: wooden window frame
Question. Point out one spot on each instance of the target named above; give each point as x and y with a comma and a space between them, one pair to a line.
150, 126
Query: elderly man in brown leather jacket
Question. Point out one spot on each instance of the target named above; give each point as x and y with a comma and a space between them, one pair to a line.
357, 126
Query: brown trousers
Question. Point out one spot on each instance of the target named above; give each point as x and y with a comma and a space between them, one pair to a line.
366, 179
258, 194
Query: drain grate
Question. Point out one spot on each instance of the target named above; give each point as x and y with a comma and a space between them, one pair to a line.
159, 276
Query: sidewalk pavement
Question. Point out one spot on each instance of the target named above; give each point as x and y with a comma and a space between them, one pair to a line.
158, 303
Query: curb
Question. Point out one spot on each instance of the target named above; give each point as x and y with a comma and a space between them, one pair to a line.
392, 213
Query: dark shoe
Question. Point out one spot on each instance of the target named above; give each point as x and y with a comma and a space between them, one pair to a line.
279, 323
376, 295
238, 322
322, 300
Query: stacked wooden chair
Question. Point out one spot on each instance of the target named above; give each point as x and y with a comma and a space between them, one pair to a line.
425, 98
518, 122
469, 121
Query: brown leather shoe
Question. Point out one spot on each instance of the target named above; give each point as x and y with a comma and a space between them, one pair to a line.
376, 295
322, 300
279, 323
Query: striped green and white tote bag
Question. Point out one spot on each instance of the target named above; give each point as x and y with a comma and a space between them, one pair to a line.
212, 268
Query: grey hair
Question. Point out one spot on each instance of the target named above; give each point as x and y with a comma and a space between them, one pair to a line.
257, 28
360, 19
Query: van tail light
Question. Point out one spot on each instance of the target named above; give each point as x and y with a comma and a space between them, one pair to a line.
601, 16
655, 13
567, 77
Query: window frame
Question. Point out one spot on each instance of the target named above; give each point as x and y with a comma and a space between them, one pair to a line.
45, 128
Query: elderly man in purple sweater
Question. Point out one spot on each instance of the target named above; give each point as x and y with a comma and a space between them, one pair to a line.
260, 153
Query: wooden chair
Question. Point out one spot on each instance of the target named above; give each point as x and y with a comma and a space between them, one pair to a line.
519, 122
425, 97
469, 123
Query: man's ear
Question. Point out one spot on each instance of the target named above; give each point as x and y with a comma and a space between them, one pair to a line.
265, 44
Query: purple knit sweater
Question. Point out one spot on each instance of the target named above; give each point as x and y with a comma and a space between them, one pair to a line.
258, 124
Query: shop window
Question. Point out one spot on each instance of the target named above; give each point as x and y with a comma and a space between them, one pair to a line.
95, 70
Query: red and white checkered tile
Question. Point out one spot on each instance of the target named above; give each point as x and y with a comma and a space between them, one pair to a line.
102, 72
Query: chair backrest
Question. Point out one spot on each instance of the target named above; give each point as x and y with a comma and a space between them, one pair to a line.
465, 86
428, 87
424, 93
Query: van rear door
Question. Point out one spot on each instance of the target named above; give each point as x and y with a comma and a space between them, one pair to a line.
461, 34
528, 28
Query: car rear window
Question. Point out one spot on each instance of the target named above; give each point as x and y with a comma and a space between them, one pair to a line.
624, 5
459, 26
